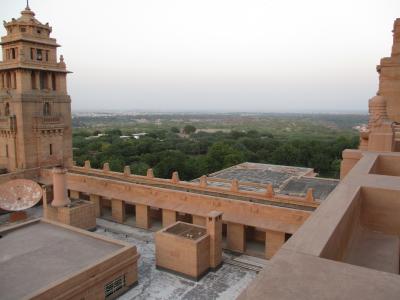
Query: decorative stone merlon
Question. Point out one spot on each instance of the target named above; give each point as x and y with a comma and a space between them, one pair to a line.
310, 195
106, 167
235, 185
269, 191
87, 164
127, 170
203, 181
150, 173
175, 177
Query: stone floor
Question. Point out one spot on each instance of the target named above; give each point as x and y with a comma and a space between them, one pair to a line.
226, 283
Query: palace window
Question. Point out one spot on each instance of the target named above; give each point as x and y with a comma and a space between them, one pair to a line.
39, 54
53, 81
13, 53
33, 80
14, 80
6, 150
46, 109
51, 149
32, 53
47, 55
7, 109
23, 29
43, 80
114, 286
8, 80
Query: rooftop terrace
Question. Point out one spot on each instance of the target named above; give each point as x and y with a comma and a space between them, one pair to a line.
39, 254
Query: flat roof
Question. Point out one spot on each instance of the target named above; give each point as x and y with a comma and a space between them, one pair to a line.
186, 230
287, 180
39, 253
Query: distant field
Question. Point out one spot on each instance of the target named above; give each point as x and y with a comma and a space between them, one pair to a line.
277, 124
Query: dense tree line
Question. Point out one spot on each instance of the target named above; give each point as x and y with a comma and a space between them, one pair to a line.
202, 153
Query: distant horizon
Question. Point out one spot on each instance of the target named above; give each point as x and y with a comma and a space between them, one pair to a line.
226, 55
143, 111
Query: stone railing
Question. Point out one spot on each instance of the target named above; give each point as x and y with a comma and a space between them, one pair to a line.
8, 123
260, 193
48, 122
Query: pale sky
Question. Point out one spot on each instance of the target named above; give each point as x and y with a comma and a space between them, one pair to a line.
219, 55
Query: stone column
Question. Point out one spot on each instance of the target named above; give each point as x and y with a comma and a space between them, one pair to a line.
118, 210
95, 199
273, 242
74, 194
236, 237
60, 188
214, 229
198, 220
143, 216
168, 217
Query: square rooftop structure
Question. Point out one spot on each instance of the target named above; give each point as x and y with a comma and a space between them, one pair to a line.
184, 249
286, 180
42, 259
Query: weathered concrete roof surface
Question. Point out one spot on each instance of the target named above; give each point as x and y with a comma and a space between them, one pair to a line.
286, 180
36, 255
299, 186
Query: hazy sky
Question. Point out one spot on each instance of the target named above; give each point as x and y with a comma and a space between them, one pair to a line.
219, 55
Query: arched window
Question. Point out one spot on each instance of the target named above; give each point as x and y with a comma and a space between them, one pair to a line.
7, 109
46, 109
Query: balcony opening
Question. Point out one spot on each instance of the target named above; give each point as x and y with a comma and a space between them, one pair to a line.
32, 53
53, 81
46, 109
51, 149
33, 80
39, 54
7, 109
47, 55
13, 53
14, 80
43, 80
8, 80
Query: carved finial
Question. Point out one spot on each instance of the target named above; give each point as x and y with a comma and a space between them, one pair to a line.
87, 164
269, 190
203, 181
150, 173
175, 177
127, 171
235, 185
27, 5
310, 195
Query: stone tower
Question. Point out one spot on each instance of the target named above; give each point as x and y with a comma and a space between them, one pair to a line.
35, 109
383, 131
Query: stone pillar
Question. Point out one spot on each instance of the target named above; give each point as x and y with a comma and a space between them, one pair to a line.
95, 199
214, 229
143, 216
350, 158
168, 217
60, 188
74, 194
118, 210
198, 220
236, 237
273, 242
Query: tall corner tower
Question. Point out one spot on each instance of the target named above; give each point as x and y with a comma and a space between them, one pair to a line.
35, 109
